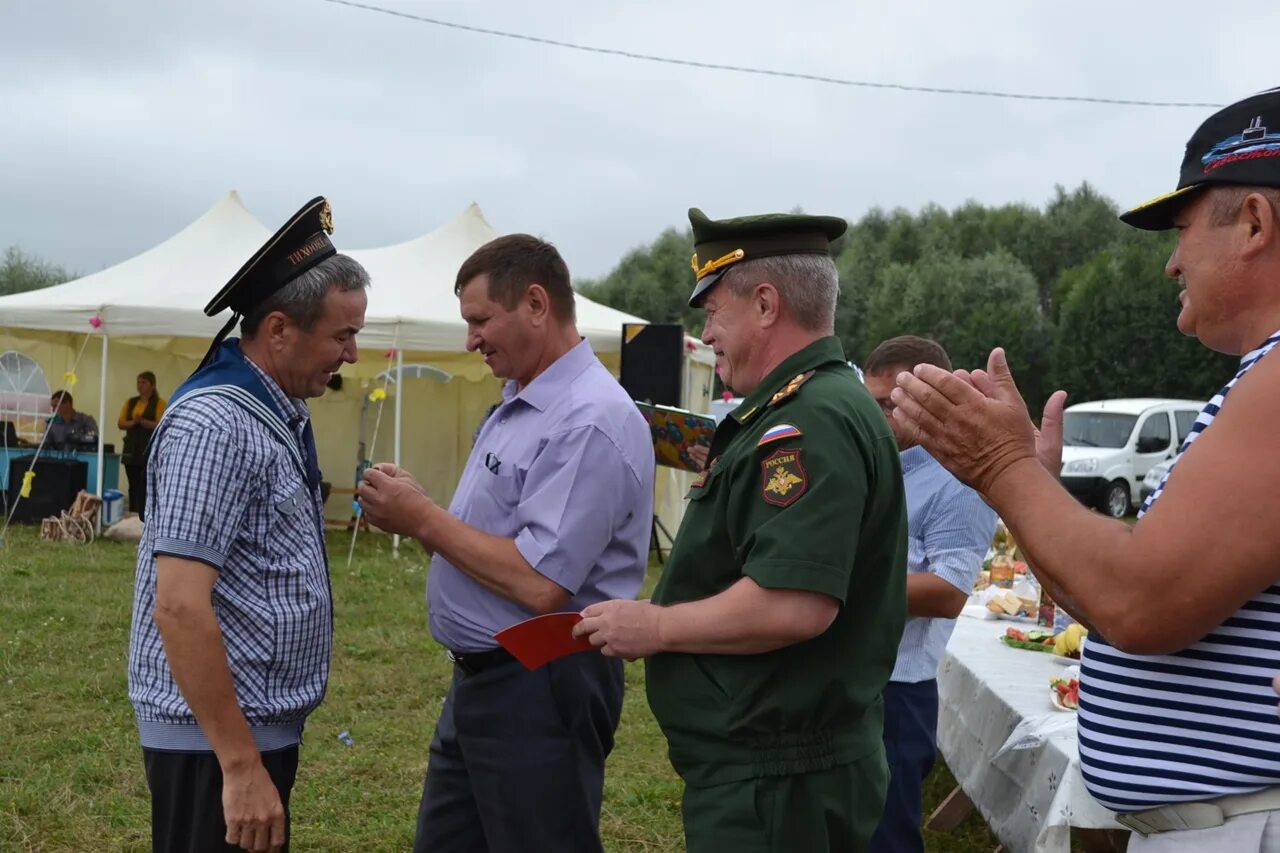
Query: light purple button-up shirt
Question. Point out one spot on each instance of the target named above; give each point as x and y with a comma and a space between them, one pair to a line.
565, 467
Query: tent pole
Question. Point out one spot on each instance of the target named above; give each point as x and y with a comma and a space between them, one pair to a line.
102, 419
395, 540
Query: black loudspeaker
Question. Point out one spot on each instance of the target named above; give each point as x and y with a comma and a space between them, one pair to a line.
54, 489
653, 362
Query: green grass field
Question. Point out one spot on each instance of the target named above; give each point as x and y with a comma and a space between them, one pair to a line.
70, 766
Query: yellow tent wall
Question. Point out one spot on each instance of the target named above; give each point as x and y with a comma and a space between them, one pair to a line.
438, 419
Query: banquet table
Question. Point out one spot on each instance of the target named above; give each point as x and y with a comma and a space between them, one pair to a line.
1014, 755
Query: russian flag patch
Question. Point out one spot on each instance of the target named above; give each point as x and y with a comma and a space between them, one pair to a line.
777, 433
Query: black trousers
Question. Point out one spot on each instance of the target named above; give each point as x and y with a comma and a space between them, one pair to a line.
911, 746
517, 761
138, 489
186, 798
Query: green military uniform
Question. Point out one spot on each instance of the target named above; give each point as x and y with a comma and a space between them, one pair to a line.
784, 750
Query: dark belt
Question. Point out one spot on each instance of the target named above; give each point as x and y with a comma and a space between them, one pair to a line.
473, 662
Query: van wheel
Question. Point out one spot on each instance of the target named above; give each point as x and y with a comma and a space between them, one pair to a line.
1115, 500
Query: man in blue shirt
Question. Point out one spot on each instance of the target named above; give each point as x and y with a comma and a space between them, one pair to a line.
552, 513
949, 528
69, 429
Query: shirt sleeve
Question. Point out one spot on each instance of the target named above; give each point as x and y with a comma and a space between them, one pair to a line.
160, 404
577, 493
808, 543
957, 536
125, 414
203, 486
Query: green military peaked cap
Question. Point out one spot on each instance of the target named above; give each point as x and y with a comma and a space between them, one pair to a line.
720, 243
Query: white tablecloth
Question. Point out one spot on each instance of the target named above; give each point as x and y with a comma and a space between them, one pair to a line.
1014, 755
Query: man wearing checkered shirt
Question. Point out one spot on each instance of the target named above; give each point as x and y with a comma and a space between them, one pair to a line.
232, 614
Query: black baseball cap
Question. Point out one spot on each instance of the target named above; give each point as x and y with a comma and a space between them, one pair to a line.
1238, 145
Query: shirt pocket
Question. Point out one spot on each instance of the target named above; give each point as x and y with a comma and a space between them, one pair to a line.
290, 515
500, 491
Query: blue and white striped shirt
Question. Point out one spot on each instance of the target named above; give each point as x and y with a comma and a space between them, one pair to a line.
1194, 725
222, 490
949, 529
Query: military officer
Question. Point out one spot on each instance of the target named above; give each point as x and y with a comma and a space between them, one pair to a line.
774, 628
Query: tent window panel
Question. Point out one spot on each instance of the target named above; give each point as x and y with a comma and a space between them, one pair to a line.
24, 398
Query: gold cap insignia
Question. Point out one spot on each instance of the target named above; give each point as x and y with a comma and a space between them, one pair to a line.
326, 218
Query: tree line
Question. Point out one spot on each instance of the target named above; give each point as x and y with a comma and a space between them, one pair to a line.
20, 272
1078, 299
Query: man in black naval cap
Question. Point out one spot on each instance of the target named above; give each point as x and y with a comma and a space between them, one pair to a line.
232, 611
775, 626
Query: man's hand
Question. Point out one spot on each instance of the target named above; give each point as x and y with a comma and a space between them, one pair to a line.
623, 629
252, 809
1049, 435
975, 426
698, 453
397, 473
393, 500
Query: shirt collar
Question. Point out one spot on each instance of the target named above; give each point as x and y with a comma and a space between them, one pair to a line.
822, 351
294, 410
1253, 355
549, 385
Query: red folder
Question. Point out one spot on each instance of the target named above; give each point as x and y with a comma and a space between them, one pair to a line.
542, 639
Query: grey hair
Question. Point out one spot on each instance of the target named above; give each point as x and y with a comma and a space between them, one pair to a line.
1225, 202
808, 285
302, 300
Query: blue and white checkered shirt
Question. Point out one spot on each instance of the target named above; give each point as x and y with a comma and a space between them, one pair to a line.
949, 529
221, 490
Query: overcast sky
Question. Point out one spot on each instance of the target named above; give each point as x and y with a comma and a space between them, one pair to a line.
122, 122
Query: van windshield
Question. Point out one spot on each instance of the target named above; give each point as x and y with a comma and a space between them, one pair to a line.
1097, 429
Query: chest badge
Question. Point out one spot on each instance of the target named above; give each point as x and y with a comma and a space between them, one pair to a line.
783, 478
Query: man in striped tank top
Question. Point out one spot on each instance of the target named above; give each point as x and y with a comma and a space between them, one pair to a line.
1178, 730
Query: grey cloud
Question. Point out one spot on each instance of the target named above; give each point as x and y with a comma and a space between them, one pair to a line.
125, 121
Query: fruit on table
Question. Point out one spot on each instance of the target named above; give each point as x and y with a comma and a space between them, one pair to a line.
1070, 641
1068, 690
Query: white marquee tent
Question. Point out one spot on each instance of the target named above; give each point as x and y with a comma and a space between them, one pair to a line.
149, 310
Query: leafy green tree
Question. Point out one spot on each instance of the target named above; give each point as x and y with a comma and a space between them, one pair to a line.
21, 272
1117, 336
970, 306
653, 282
1077, 225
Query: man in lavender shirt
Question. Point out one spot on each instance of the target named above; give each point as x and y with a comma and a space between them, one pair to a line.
553, 513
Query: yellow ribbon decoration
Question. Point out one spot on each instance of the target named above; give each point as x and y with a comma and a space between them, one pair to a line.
377, 395
70, 379
27, 479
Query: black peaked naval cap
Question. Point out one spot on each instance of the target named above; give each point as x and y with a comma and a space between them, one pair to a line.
302, 243
1238, 145
720, 243
298, 246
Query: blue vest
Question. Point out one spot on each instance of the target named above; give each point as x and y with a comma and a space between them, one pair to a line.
229, 375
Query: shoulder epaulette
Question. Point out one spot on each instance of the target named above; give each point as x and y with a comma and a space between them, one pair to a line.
790, 388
